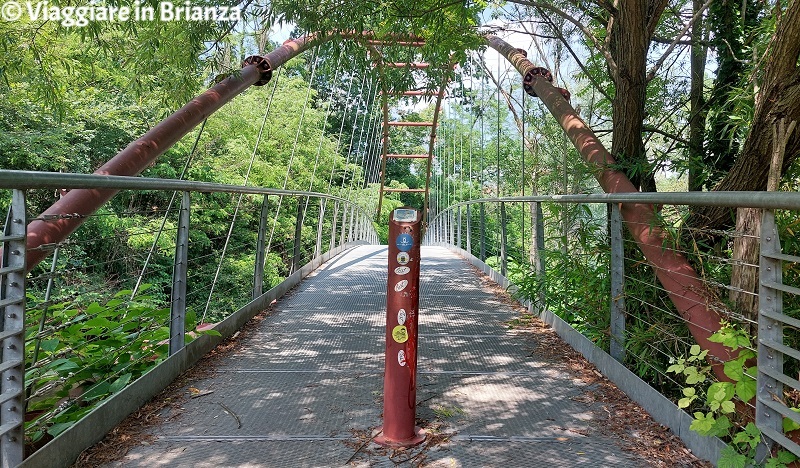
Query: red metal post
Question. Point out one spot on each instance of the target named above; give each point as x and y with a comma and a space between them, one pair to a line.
402, 306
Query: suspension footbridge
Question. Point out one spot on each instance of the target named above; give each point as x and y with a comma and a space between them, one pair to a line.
303, 387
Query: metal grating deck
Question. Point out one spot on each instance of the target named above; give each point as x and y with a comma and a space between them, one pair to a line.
307, 388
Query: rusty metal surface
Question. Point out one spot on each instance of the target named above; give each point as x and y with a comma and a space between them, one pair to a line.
685, 288
306, 388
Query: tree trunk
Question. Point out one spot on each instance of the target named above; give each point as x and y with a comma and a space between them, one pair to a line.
744, 275
779, 98
698, 111
631, 31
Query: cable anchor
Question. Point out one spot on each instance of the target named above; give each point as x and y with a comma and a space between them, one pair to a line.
527, 82
263, 66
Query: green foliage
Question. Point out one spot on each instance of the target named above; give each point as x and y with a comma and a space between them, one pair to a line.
90, 352
720, 399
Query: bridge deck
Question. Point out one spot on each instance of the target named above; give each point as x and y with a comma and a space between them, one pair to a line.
305, 388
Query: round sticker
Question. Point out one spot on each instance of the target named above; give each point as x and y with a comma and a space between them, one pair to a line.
401, 285
404, 242
400, 334
401, 357
403, 258
401, 270
401, 316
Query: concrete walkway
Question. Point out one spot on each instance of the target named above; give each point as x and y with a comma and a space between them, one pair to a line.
306, 389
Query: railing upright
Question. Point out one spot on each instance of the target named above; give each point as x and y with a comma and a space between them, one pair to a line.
261, 245
452, 222
469, 229
343, 227
769, 417
177, 322
12, 307
320, 225
458, 227
503, 240
298, 232
334, 220
617, 267
483, 232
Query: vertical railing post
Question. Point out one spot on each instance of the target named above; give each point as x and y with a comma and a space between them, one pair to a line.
539, 257
334, 220
458, 227
770, 331
12, 306
617, 267
320, 225
452, 219
482, 225
177, 311
343, 228
352, 225
469, 229
298, 234
503, 239
261, 255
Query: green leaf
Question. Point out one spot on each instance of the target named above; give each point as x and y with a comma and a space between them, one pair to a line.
97, 390
746, 389
789, 424
695, 379
58, 428
786, 457
689, 391
694, 350
676, 368
50, 345
685, 402
729, 458
728, 407
719, 392
212, 333
734, 369
120, 383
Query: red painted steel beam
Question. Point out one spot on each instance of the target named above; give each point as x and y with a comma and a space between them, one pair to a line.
686, 290
142, 152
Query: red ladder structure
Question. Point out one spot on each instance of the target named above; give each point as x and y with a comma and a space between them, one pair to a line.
388, 124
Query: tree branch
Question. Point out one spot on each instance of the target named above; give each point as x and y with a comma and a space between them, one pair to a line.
652, 73
545, 6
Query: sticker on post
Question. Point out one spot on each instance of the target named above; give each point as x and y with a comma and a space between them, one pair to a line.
403, 258
401, 358
400, 334
401, 285
404, 242
401, 270
401, 317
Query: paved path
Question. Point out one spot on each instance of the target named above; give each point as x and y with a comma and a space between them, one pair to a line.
306, 389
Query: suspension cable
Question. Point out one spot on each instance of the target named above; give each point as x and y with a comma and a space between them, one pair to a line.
294, 148
166, 212
241, 195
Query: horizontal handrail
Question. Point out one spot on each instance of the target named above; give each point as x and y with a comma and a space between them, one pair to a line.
12, 179
777, 200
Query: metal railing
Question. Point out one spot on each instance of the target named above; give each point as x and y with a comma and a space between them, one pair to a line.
142, 277
568, 254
